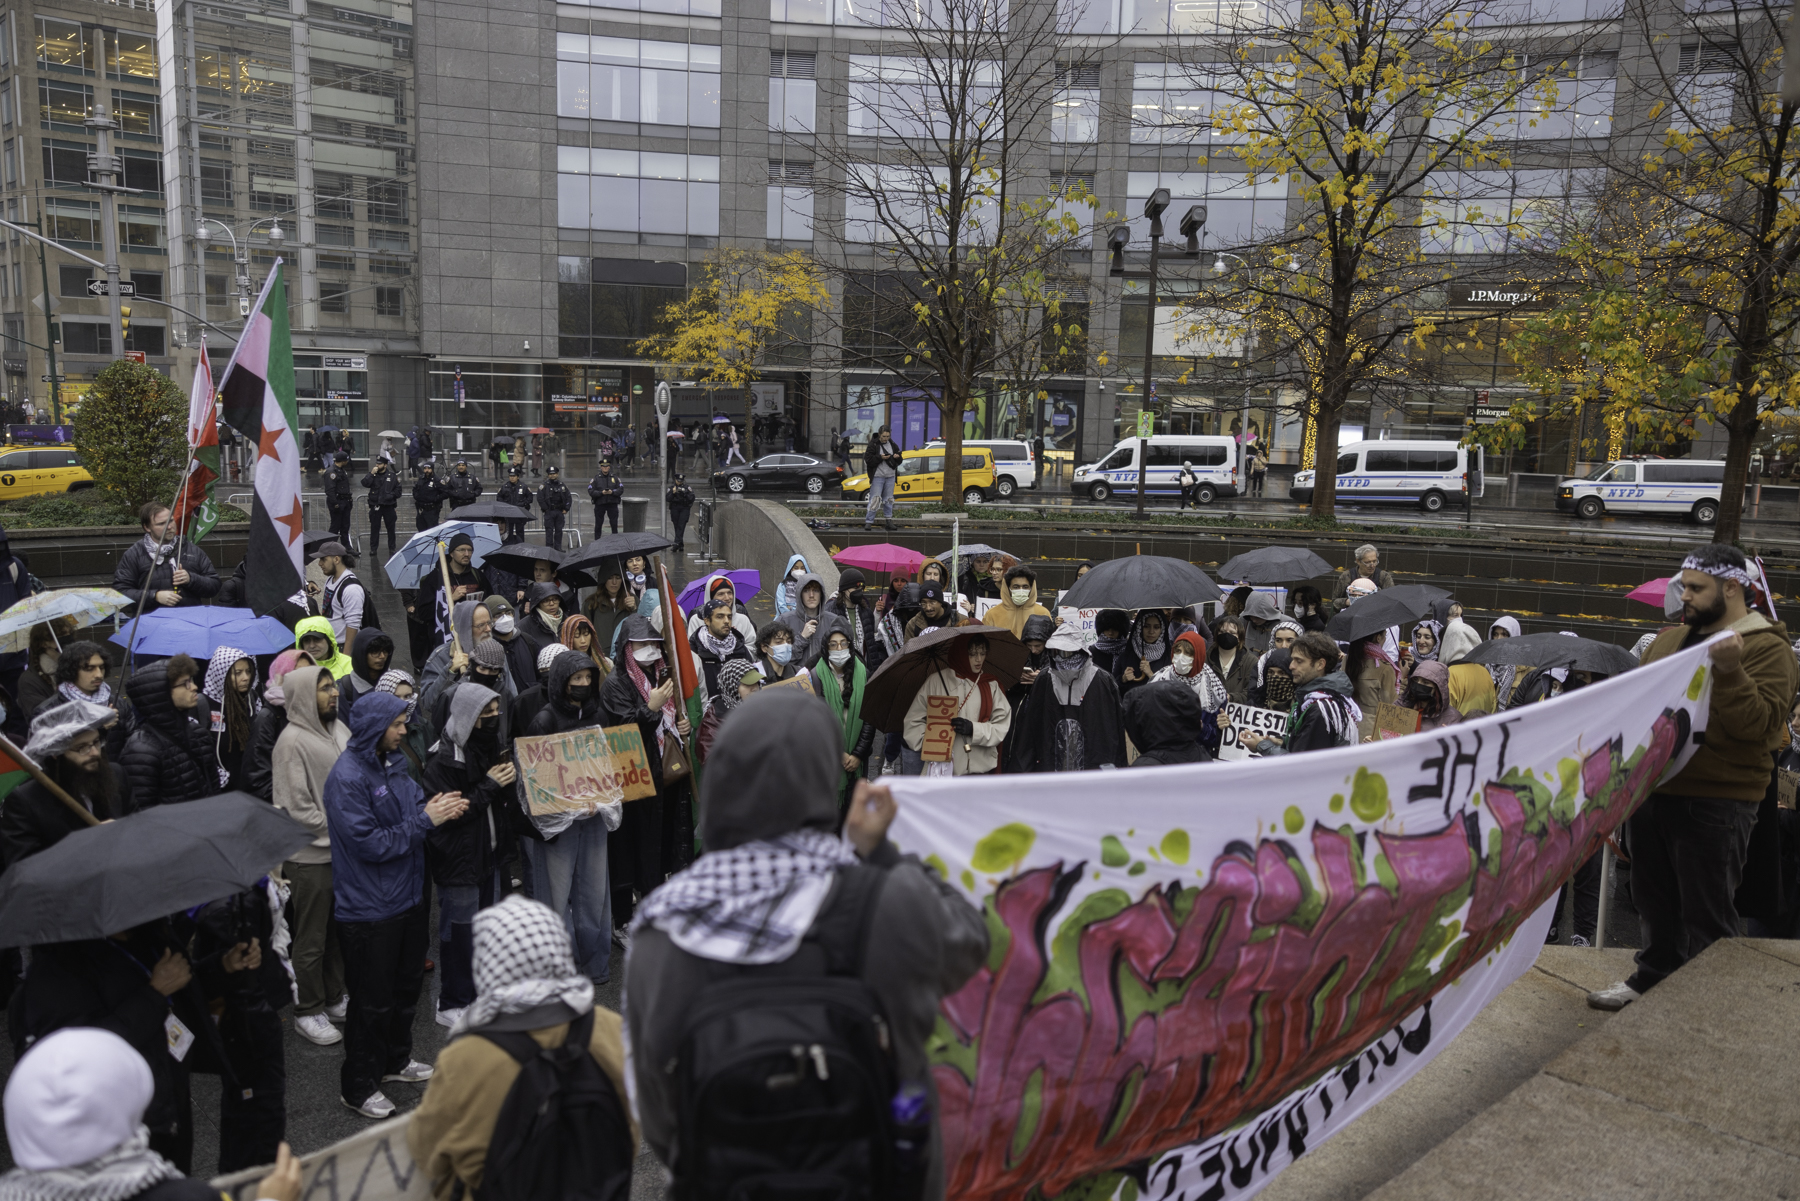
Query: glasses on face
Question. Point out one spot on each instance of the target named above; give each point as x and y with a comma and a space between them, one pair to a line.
186, 683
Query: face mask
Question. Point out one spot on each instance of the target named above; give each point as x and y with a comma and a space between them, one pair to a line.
1228, 641
504, 625
1019, 595
47, 664
1069, 661
839, 658
486, 680
487, 723
646, 655
1184, 664
782, 653
797, 573
856, 596
579, 693
1302, 610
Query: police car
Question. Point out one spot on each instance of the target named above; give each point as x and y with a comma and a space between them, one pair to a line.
1426, 473
1671, 487
1214, 458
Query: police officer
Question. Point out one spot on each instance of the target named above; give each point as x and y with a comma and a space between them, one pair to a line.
384, 493
681, 503
605, 490
555, 500
463, 488
514, 492
429, 495
340, 499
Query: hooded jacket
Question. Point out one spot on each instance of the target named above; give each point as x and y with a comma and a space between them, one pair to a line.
1508, 622
776, 768
806, 650
375, 812
336, 662
1163, 720
1459, 639
362, 678
1438, 677
1324, 715
1008, 616
304, 756
532, 630
463, 850
711, 662
1747, 718
1261, 607
166, 757
560, 713
266, 728
787, 589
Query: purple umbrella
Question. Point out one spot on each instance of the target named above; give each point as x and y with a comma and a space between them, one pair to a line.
745, 581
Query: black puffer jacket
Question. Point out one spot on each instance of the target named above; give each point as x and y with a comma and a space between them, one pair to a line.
259, 760
560, 713
384, 489
166, 757
1163, 719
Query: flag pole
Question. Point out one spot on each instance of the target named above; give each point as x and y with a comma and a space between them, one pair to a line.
449, 601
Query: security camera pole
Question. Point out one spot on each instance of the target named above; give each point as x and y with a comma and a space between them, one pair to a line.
1153, 209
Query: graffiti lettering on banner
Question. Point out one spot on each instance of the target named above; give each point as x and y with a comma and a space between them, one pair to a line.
939, 738
1246, 725
579, 770
373, 1165
1184, 996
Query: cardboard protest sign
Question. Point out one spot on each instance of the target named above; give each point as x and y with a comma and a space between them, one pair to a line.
372, 1165
982, 605
579, 770
1395, 721
939, 737
1245, 726
1083, 622
800, 679
1787, 786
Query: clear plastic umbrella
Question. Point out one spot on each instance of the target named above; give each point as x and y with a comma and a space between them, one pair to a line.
88, 606
420, 554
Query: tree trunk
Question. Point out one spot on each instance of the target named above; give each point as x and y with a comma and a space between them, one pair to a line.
952, 410
1742, 425
1325, 437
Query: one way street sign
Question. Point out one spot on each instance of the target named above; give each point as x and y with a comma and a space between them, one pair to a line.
97, 287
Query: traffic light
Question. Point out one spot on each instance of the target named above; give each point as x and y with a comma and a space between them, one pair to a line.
125, 320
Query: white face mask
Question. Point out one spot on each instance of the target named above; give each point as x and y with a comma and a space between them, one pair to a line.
781, 652
646, 655
799, 570
839, 658
1183, 664
1020, 595
47, 664
503, 625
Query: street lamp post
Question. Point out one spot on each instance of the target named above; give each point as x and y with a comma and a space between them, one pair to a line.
240, 253
103, 170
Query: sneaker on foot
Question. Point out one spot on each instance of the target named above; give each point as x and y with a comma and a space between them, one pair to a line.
448, 1017
376, 1105
1617, 997
316, 1027
412, 1073
1576, 940
340, 1010
622, 936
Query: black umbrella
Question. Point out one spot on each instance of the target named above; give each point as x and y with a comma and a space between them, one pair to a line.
615, 546
489, 510
1554, 650
518, 557
1142, 582
111, 877
889, 693
1379, 610
502, 440
605, 431
1274, 565
312, 540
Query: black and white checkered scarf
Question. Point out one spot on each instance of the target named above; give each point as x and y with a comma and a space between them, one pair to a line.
522, 960
750, 904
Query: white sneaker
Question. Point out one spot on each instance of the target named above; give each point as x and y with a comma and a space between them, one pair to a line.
376, 1105
1575, 940
448, 1017
340, 1010
316, 1027
622, 936
1617, 997
413, 1073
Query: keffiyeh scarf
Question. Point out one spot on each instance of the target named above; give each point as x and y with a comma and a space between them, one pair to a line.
750, 904
522, 960
127, 1170
102, 696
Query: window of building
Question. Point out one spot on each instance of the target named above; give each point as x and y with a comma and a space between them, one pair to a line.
137, 113
793, 92
217, 291
334, 298
140, 230
6, 104
149, 283
143, 171
12, 163
61, 44
643, 193
71, 280
130, 55
15, 325
895, 97
1175, 104
65, 163
383, 265
215, 182
1075, 110
1160, 17
335, 235
86, 337
1475, 212
272, 187
388, 301
145, 339
790, 201
334, 192
804, 12
390, 239
628, 79
1237, 212
6, 41
387, 200
65, 103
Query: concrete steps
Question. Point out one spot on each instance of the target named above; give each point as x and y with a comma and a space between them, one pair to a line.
1692, 1092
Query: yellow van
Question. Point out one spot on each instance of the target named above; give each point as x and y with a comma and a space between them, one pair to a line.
921, 476
39, 470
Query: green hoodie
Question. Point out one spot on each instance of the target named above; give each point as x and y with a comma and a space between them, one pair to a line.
337, 662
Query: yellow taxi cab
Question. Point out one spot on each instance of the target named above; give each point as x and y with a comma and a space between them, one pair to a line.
921, 476
39, 470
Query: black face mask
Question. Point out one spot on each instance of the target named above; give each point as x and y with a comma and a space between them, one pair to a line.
1227, 641
487, 723
579, 693
486, 680
1418, 698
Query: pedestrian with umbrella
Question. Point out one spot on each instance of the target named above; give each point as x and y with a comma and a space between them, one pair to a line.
1072, 720
67, 740
1142, 582
983, 715
611, 603
555, 500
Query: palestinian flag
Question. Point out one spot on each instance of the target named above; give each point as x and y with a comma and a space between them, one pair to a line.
258, 395
195, 510
12, 774
684, 668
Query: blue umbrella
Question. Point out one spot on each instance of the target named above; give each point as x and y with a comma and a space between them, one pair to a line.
419, 557
746, 582
201, 630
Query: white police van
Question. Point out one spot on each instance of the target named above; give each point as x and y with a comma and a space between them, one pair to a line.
1672, 487
1015, 466
1214, 459
1426, 473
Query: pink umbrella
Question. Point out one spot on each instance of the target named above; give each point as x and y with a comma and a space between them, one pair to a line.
880, 556
1665, 592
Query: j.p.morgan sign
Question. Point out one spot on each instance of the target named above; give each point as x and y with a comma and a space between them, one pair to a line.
1495, 296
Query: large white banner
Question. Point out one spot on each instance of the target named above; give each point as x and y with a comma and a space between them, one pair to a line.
1199, 972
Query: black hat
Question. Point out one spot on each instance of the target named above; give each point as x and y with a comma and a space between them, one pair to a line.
428, 465
553, 469
513, 470
462, 466
340, 457
931, 591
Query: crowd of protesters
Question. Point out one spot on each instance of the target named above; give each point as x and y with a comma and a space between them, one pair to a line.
725, 907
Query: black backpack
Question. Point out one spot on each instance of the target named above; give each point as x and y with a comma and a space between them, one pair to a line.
371, 620
785, 1081
562, 1131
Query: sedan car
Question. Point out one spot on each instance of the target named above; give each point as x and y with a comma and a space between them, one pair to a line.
780, 472
34, 471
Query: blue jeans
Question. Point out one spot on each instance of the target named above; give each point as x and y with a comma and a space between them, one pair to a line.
881, 496
569, 875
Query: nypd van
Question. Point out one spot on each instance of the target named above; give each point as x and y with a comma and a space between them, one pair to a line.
1429, 474
1673, 487
1214, 459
